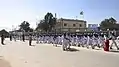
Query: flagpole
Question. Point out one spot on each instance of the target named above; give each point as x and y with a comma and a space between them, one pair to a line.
76, 18
82, 15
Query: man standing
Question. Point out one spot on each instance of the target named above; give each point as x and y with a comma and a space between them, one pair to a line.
2, 39
23, 37
10, 37
30, 39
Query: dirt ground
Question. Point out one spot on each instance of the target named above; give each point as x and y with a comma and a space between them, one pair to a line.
4, 63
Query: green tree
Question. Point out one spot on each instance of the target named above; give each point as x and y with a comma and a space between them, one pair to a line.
108, 24
48, 23
42, 26
3, 31
31, 30
24, 26
112, 20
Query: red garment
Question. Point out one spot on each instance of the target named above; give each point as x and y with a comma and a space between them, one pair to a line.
106, 45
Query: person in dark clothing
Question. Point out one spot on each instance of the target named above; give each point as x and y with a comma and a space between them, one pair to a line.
2, 39
10, 37
23, 37
37, 36
30, 40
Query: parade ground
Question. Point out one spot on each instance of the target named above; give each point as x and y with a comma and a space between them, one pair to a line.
19, 54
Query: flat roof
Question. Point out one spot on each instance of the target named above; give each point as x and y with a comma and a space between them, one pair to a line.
71, 20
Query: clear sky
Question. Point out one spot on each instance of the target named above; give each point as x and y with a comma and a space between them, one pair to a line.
13, 12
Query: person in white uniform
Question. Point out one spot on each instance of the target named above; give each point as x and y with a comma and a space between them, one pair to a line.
88, 41
66, 43
113, 38
37, 38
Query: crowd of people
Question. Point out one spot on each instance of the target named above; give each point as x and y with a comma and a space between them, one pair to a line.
67, 40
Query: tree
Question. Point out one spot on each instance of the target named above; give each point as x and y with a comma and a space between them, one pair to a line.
112, 20
25, 26
31, 30
109, 24
42, 26
3, 31
48, 23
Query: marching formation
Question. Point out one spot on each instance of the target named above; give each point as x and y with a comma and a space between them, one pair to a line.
67, 40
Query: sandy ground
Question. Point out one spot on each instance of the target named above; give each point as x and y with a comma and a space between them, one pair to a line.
19, 54
4, 63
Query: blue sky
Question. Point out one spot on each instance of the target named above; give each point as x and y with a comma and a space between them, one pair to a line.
13, 12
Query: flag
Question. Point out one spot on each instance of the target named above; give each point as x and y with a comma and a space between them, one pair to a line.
81, 13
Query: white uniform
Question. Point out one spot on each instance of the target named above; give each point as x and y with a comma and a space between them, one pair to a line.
101, 41
114, 42
52, 40
14, 38
62, 38
37, 39
88, 42
77, 41
73, 41
66, 43
59, 40
94, 40
40, 37
84, 40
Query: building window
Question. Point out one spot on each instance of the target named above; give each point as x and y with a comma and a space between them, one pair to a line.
74, 25
65, 24
80, 25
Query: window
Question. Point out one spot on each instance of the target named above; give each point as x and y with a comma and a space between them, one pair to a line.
74, 25
80, 25
65, 24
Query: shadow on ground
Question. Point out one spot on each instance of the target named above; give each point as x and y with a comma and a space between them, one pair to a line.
114, 51
97, 49
73, 50
32, 45
3, 44
58, 46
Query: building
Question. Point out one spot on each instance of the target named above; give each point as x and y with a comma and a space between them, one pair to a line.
70, 25
93, 27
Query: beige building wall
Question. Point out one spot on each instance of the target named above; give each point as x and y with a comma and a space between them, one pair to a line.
70, 25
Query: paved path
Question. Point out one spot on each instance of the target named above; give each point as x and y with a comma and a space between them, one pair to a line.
19, 54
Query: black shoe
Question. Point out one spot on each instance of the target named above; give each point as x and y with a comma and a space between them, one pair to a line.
55, 45
110, 47
3, 44
117, 48
63, 49
93, 47
78, 45
82, 46
87, 47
